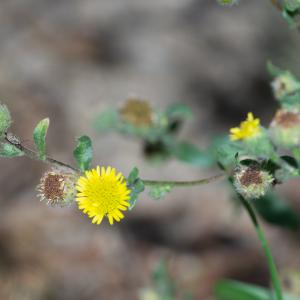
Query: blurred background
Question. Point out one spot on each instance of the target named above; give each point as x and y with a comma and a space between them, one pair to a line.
69, 60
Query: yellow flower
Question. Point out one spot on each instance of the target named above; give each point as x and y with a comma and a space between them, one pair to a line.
247, 130
103, 192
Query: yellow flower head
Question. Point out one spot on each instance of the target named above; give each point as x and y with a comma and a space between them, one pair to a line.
103, 192
248, 129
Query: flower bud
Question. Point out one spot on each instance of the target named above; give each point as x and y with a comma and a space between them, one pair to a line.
5, 120
57, 187
285, 85
252, 183
285, 129
137, 112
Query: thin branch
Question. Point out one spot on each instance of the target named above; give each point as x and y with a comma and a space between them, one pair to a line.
184, 183
34, 155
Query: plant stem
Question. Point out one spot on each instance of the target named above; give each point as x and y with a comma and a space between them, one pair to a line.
266, 249
33, 155
184, 183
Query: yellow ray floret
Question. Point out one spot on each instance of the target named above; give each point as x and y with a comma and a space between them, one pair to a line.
248, 129
103, 192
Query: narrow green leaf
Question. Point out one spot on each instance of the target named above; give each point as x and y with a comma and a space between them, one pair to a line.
276, 211
39, 137
83, 153
8, 150
234, 290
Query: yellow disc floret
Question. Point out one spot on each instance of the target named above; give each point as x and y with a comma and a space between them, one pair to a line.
248, 129
103, 192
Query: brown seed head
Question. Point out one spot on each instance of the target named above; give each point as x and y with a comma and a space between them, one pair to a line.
287, 119
54, 186
57, 187
251, 176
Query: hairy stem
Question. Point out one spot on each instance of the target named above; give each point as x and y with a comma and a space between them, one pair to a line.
266, 249
33, 155
184, 183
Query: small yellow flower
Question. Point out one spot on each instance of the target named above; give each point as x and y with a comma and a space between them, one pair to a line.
247, 130
103, 192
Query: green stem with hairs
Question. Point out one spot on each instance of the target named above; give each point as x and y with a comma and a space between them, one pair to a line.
184, 183
270, 260
33, 155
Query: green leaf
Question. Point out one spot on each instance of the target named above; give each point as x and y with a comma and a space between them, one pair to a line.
260, 146
296, 153
226, 151
5, 120
191, 154
136, 185
158, 191
292, 5
39, 137
178, 110
133, 175
83, 153
274, 70
234, 290
8, 150
136, 188
276, 211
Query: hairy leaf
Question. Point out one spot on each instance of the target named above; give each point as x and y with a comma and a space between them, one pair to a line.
39, 137
8, 150
83, 153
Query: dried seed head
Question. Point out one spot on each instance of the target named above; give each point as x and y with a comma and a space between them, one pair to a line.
137, 112
250, 176
57, 187
252, 183
286, 119
285, 129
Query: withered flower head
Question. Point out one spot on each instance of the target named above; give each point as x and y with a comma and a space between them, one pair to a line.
137, 112
285, 128
57, 187
251, 182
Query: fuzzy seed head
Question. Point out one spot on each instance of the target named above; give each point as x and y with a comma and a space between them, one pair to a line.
57, 188
252, 183
285, 129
